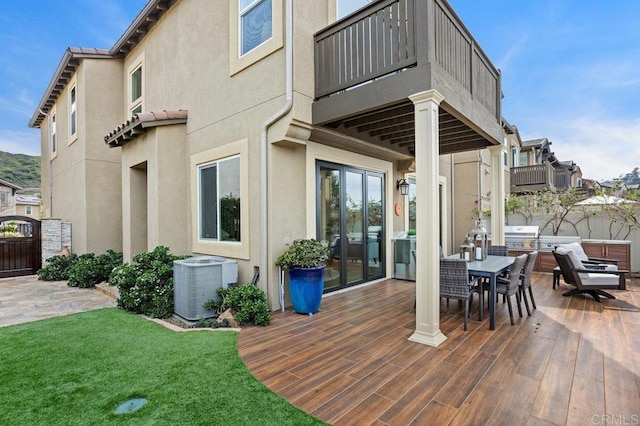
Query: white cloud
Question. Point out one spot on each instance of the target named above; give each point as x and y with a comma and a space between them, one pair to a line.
19, 142
603, 148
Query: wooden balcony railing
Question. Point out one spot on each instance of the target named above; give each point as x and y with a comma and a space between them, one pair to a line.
394, 35
375, 42
537, 175
562, 179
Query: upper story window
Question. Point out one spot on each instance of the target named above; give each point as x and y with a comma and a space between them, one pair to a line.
27, 210
219, 196
256, 24
53, 133
4, 198
524, 159
514, 156
135, 99
346, 7
73, 113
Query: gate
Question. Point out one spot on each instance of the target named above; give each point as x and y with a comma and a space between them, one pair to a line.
21, 255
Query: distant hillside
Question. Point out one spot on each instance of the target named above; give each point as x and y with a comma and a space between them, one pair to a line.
20, 169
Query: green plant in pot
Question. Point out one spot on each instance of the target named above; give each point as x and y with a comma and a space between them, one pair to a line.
305, 261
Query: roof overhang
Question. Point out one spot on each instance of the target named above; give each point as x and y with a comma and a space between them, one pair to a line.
72, 57
139, 124
65, 71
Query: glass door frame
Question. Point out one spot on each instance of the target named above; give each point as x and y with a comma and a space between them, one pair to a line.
343, 232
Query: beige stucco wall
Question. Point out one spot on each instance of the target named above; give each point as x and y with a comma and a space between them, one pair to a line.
158, 158
21, 210
86, 175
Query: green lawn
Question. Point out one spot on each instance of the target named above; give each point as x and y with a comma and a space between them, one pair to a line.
75, 370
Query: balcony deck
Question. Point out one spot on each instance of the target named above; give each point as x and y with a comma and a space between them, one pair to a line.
370, 62
574, 361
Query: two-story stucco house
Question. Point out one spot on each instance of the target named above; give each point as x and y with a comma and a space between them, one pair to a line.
233, 127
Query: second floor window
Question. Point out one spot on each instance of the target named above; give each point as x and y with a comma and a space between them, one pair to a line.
73, 117
27, 210
514, 157
524, 159
4, 199
53, 133
136, 91
256, 24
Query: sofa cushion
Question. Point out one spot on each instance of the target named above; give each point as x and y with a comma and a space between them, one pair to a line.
598, 280
577, 249
577, 263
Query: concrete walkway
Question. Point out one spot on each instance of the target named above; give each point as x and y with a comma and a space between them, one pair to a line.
26, 299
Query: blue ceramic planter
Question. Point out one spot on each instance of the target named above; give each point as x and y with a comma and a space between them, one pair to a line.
305, 288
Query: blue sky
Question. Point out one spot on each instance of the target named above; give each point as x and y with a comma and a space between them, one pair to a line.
570, 68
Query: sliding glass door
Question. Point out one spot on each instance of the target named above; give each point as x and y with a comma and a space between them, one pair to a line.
350, 219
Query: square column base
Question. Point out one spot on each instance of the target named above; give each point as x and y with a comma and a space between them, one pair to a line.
428, 339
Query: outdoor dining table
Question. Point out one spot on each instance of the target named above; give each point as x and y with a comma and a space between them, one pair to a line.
491, 268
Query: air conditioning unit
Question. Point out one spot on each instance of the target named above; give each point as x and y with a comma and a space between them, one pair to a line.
196, 279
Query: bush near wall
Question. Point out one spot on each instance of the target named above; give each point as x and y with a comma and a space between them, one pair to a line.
146, 285
84, 271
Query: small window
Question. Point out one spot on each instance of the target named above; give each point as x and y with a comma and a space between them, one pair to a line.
53, 133
514, 157
73, 119
524, 159
4, 199
27, 209
219, 204
136, 91
256, 24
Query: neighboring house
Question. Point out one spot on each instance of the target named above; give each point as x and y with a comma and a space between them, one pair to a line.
8, 198
28, 205
234, 127
614, 187
539, 169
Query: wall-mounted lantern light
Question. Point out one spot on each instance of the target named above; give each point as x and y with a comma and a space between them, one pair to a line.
403, 186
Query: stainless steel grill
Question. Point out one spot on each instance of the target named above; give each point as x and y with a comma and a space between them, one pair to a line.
549, 242
521, 237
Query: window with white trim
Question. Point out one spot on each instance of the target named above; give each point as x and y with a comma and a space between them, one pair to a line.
135, 99
515, 154
27, 210
219, 200
53, 133
4, 198
73, 114
256, 24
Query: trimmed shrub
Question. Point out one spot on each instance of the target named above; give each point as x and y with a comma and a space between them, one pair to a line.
249, 302
146, 286
90, 269
57, 267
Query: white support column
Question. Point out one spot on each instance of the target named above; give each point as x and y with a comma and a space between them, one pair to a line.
427, 224
497, 196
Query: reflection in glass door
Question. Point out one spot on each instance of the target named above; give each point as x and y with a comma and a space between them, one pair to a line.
350, 219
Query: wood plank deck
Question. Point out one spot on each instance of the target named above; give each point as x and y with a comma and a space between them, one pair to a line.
573, 362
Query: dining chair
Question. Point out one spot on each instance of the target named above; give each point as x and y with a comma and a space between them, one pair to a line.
525, 282
511, 286
455, 283
497, 251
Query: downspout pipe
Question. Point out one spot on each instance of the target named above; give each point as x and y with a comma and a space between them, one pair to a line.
264, 145
50, 149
